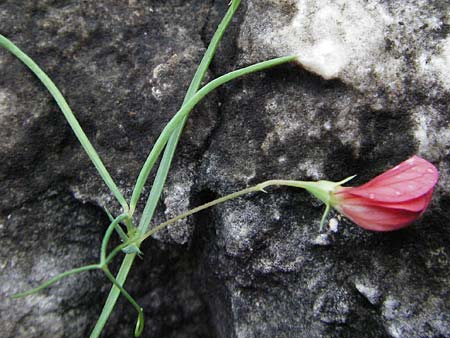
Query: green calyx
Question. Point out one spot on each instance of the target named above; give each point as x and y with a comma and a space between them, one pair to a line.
324, 191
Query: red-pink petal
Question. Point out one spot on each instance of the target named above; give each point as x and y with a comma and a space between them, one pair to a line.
378, 218
393, 199
409, 180
416, 205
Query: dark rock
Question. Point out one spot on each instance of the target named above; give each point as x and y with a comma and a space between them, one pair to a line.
371, 89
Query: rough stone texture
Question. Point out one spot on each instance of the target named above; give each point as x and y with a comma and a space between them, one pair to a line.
124, 68
371, 88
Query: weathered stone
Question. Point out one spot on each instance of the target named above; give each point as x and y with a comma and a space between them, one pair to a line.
123, 67
371, 89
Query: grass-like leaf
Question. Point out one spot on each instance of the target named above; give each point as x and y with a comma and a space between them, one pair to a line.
175, 135
56, 279
68, 114
163, 170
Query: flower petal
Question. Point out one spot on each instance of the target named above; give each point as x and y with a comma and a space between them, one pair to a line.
378, 218
409, 180
417, 205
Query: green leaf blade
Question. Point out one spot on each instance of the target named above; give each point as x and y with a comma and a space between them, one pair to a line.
70, 117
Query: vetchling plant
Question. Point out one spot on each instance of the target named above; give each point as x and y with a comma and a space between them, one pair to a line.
388, 202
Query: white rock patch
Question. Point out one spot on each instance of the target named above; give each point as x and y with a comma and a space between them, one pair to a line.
432, 132
440, 63
326, 58
331, 36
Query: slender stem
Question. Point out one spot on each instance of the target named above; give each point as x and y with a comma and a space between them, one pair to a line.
123, 236
103, 260
140, 321
117, 250
258, 187
113, 295
108, 234
175, 126
156, 190
324, 216
178, 119
175, 135
70, 117
162, 173
56, 279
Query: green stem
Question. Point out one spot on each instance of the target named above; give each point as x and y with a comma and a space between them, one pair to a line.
320, 189
324, 216
128, 223
175, 135
162, 172
177, 120
56, 279
114, 224
117, 250
258, 187
164, 167
161, 176
113, 295
68, 114
173, 130
140, 321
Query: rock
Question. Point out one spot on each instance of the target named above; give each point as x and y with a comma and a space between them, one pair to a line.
369, 90
381, 107
333, 307
124, 68
41, 239
368, 291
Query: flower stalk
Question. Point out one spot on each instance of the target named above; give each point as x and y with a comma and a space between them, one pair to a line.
403, 194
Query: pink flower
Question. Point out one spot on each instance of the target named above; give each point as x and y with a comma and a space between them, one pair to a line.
390, 201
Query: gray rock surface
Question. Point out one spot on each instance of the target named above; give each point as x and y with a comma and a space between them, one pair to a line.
371, 88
